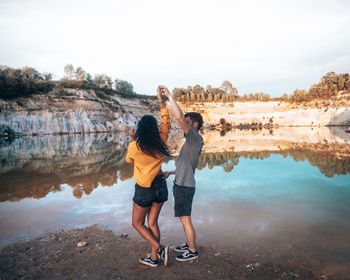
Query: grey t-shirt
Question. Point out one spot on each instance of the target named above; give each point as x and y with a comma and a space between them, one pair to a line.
188, 159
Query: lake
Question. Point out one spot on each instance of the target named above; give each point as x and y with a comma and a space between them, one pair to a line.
285, 191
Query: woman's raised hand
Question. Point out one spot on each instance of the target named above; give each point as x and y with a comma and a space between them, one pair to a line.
159, 93
164, 90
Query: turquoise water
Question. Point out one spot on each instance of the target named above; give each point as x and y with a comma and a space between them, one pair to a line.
260, 180
294, 198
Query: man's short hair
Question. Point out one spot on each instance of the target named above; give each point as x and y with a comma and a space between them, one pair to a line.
195, 117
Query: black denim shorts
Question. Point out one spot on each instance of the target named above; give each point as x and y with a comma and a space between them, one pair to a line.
158, 192
183, 197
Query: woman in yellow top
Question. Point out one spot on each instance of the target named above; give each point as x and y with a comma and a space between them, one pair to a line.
146, 152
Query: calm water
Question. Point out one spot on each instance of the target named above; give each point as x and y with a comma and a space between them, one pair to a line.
294, 197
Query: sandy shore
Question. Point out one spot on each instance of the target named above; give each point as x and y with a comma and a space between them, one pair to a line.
109, 256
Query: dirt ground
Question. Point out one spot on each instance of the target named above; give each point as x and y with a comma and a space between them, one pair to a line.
108, 256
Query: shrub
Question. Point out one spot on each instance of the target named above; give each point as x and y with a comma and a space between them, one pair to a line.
23, 82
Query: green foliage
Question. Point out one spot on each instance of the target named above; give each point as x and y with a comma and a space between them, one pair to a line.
103, 81
230, 90
80, 74
328, 87
23, 82
47, 76
79, 78
257, 96
27, 81
227, 93
124, 87
69, 72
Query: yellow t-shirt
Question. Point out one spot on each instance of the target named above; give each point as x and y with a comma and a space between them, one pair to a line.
147, 167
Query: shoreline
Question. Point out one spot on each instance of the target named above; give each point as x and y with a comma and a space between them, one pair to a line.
111, 256
87, 112
213, 128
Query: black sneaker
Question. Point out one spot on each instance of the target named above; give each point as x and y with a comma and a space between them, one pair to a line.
148, 261
187, 256
163, 253
182, 248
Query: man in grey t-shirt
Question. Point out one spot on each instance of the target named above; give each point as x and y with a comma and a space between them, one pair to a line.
184, 184
189, 155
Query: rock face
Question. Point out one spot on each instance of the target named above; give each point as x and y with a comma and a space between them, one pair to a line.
74, 111
274, 113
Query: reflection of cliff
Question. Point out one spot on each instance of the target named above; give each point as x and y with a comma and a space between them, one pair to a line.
330, 159
317, 155
326, 148
226, 159
276, 140
35, 166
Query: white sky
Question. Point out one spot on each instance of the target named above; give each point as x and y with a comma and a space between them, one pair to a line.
271, 46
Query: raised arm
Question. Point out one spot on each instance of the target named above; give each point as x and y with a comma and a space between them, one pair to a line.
179, 115
159, 97
165, 118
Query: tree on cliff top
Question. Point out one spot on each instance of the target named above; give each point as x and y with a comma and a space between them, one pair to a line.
230, 89
103, 81
329, 86
22, 82
80, 74
69, 72
124, 87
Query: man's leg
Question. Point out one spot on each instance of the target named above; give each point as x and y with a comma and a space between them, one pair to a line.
189, 232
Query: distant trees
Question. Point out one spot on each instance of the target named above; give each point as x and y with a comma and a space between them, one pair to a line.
124, 87
79, 78
23, 82
80, 74
328, 87
226, 93
69, 72
258, 96
27, 81
103, 81
229, 89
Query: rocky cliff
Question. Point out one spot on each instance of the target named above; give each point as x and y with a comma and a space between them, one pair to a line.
273, 113
71, 111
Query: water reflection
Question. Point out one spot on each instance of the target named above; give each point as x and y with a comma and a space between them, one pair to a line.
32, 167
328, 163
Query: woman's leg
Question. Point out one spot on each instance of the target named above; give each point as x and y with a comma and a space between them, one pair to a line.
152, 221
138, 222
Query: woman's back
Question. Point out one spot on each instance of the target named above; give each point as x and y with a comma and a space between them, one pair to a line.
148, 150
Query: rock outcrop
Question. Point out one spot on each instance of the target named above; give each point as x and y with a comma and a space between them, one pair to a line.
271, 113
71, 111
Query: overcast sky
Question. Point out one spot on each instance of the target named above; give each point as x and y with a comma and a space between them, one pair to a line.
271, 46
